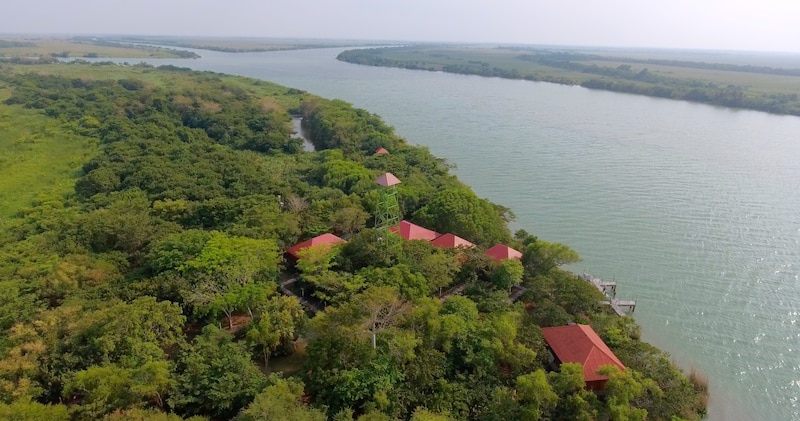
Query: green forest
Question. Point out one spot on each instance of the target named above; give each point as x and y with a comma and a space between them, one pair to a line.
145, 214
763, 88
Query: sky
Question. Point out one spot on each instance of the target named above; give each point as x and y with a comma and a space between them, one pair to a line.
751, 25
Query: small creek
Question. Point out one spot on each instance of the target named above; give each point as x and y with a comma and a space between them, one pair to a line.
299, 133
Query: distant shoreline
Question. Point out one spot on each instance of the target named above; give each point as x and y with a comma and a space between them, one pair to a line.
676, 75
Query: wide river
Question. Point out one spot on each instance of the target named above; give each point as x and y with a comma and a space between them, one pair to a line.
694, 210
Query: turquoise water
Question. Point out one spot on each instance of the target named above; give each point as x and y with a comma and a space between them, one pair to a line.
694, 210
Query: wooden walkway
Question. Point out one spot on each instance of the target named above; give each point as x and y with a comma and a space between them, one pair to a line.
619, 306
458, 289
516, 293
609, 289
310, 307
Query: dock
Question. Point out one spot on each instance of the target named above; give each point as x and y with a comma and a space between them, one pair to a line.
619, 306
609, 289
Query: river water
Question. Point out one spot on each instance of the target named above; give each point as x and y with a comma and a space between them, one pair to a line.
694, 210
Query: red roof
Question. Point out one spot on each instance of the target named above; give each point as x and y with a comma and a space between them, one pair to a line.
451, 241
381, 151
316, 241
502, 251
387, 180
411, 231
580, 344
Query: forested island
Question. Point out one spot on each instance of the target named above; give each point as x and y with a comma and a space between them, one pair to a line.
145, 215
716, 79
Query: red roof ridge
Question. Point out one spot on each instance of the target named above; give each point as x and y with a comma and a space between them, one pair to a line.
326, 238
501, 251
412, 231
450, 240
581, 344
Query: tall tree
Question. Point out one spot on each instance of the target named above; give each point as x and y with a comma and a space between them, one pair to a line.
215, 376
282, 401
382, 306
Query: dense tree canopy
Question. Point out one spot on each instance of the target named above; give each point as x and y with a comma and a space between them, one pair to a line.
158, 288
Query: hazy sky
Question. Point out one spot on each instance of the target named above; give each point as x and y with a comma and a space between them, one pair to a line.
771, 25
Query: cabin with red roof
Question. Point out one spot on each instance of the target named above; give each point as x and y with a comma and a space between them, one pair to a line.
451, 241
501, 251
380, 151
412, 231
327, 239
580, 344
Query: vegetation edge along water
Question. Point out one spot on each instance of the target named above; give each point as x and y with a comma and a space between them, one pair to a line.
763, 88
149, 288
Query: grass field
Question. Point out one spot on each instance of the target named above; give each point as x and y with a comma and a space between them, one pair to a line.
48, 47
39, 158
758, 82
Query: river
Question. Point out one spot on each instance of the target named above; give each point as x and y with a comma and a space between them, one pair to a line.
694, 210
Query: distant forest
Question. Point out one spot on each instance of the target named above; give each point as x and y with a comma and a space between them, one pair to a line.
774, 90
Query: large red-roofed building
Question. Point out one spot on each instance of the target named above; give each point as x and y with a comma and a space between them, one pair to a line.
580, 344
412, 231
326, 238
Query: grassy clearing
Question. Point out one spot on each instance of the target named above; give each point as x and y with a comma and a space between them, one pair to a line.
38, 158
41, 158
757, 82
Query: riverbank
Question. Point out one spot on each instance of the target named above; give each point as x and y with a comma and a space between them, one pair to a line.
82, 47
726, 79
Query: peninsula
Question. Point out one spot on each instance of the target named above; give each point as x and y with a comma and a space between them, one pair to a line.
160, 235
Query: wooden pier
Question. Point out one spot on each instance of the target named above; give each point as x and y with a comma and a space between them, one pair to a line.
619, 306
609, 289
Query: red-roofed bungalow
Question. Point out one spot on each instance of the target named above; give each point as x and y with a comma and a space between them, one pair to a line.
502, 251
451, 241
411, 231
326, 238
380, 151
580, 344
